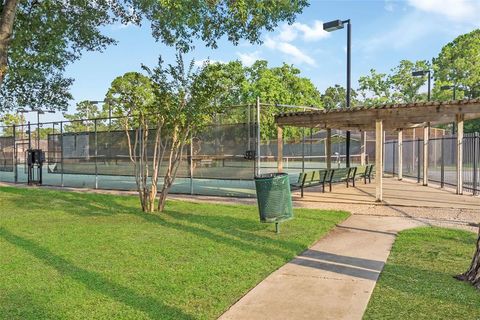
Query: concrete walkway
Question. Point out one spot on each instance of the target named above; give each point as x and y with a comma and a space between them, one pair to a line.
334, 279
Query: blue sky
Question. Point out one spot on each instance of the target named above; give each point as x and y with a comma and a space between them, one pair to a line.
384, 32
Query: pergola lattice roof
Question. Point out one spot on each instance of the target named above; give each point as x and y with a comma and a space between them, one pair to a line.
394, 116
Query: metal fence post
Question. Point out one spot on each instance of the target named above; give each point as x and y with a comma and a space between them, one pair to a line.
191, 162
303, 149
61, 154
96, 154
15, 172
442, 163
393, 158
418, 160
475, 162
258, 170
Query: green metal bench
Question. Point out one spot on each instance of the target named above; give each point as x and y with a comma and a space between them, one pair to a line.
310, 179
341, 175
366, 173
300, 183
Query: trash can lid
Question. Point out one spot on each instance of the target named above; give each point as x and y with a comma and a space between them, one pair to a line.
270, 175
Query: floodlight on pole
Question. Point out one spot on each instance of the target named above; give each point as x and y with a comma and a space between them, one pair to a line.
421, 73
109, 109
454, 97
330, 27
39, 112
333, 25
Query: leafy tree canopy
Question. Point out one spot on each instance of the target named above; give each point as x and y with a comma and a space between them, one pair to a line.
79, 121
335, 97
38, 39
458, 64
397, 87
273, 85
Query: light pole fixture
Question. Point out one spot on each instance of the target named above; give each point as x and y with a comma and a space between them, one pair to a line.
330, 27
109, 109
39, 112
422, 73
454, 97
450, 87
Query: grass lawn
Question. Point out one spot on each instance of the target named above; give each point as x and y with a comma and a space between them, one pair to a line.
70, 255
417, 281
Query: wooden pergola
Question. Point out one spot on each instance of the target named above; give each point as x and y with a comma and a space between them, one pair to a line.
393, 117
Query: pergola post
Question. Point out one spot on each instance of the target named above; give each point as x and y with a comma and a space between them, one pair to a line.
400, 154
426, 131
363, 146
379, 160
329, 148
279, 149
460, 118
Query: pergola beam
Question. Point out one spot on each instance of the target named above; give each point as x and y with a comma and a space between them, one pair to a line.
394, 116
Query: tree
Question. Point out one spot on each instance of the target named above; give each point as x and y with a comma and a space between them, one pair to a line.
81, 121
397, 87
336, 97
405, 86
472, 275
273, 85
131, 97
186, 99
38, 39
160, 112
375, 88
458, 64
11, 120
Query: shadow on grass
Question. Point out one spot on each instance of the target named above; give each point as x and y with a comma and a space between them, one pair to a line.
244, 241
94, 281
83, 204
236, 227
229, 230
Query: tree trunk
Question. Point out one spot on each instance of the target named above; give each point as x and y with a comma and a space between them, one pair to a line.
175, 157
7, 18
473, 273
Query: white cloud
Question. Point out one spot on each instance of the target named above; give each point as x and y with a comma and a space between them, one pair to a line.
290, 50
249, 58
458, 10
389, 6
289, 33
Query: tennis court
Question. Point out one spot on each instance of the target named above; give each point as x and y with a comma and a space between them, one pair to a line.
221, 160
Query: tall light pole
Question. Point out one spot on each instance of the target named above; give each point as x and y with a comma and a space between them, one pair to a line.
421, 73
333, 26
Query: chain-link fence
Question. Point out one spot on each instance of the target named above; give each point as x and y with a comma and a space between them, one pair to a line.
221, 159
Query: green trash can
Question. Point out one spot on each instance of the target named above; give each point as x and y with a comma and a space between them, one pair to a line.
274, 198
